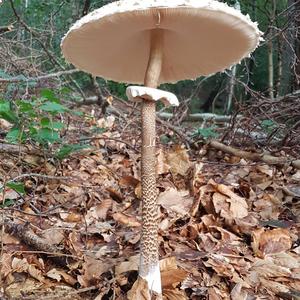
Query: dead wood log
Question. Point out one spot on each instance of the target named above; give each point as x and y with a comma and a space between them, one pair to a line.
199, 117
30, 239
266, 158
17, 149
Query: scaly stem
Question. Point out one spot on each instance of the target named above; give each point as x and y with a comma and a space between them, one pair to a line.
149, 262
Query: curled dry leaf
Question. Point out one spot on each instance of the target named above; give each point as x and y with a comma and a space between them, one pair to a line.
178, 160
179, 202
92, 271
60, 275
139, 290
53, 236
270, 241
174, 295
22, 266
5, 264
171, 275
129, 181
238, 293
98, 212
131, 265
126, 220
238, 205
162, 166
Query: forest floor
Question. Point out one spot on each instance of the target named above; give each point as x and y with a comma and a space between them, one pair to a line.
229, 227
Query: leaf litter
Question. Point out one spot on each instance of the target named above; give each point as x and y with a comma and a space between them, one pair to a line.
227, 231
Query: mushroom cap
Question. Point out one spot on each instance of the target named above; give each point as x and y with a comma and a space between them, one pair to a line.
200, 37
141, 93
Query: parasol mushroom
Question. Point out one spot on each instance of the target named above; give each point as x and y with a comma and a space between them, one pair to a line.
152, 42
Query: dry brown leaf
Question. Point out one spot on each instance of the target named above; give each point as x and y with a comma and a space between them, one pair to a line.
59, 275
5, 264
170, 274
162, 166
171, 279
138, 191
179, 202
126, 220
17, 290
139, 290
92, 271
270, 241
131, 265
238, 294
178, 160
22, 266
99, 212
129, 181
71, 217
216, 294
238, 205
53, 236
174, 295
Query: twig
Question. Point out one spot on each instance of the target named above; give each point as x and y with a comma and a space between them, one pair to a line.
188, 141
107, 139
39, 78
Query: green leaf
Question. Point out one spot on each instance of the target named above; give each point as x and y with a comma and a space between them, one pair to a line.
7, 203
53, 107
15, 135
45, 122
6, 113
49, 95
46, 135
66, 150
267, 123
207, 132
17, 186
24, 106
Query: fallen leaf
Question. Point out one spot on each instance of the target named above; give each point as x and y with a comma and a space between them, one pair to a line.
171, 276
174, 295
5, 264
131, 265
59, 275
53, 236
162, 166
126, 220
139, 290
22, 266
271, 241
92, 271
238, 205
178, 160
237, 293
179, 202
129, 181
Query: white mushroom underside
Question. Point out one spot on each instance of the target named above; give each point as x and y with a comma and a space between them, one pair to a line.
200, 38
140, 93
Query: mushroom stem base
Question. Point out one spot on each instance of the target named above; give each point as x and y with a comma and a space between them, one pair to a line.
153, 279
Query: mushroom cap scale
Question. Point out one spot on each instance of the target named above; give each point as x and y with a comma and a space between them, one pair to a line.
199, 38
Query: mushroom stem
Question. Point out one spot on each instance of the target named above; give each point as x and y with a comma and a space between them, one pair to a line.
149, 261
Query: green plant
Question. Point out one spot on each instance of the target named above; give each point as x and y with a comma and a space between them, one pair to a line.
206, 133
37, 121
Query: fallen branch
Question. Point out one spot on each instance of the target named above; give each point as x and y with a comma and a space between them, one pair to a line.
17, 149
199, 117
28, 237
39, 78
266, 158
4, 29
